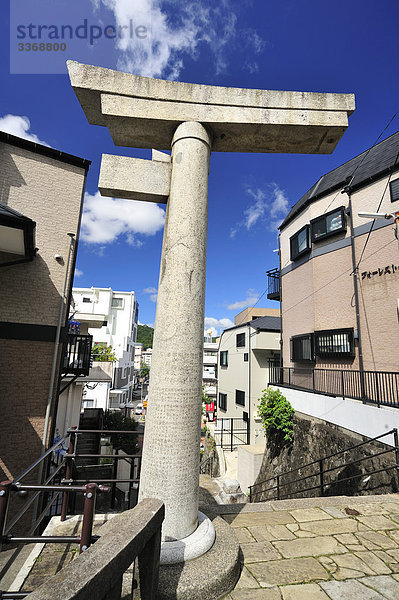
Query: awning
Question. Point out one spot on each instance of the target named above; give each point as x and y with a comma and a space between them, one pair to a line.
17, 237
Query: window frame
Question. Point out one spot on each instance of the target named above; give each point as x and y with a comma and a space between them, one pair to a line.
394, 185
332, 353
296, 338
222, 403
240, 340
121, 300
225, 354
295, 255
238, 402
323, 217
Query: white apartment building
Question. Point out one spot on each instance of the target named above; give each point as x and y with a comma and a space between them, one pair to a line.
246, 353
209, 378
119, 330
146, 357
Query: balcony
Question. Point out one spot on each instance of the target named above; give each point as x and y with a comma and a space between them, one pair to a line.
376, 387
273, 284
77, 357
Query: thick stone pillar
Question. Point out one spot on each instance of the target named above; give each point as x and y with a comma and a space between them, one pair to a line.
171, 453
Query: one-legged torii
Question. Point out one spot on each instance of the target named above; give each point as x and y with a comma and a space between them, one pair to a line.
192, 120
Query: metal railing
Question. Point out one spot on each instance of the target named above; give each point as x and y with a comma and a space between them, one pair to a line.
51, 493
377, 387
273, 284
319, 483
230, 433
77, 355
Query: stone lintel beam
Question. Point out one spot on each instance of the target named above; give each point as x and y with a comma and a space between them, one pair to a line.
144, 112
135, 178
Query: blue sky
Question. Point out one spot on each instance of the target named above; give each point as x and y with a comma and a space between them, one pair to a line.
306, 45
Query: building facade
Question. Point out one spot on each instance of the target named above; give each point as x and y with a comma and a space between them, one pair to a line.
246, 353
339, 271
119, 331
45, 187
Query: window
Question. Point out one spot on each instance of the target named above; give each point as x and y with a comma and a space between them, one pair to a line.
240, 340
300, 243
210, 352
246, 357
302, 348
222, 401
86, 299
335, 342
328, 224
394, 189
240, 397
117, 303
224, 358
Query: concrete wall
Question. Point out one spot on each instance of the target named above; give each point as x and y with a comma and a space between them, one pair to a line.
49, 191
317, 289
363, 419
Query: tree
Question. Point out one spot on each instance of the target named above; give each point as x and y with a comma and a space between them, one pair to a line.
115, 420
145, 335
144, 371
103, 353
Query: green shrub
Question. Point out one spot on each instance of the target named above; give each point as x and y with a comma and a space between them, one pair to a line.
277, 416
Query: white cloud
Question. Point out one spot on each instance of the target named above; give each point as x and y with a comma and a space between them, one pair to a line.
250, 300
78, 272
19, 126
216, 325
153, 293
269, 206
175, 31
106, 219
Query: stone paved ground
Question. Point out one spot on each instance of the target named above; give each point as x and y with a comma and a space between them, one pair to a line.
318, 549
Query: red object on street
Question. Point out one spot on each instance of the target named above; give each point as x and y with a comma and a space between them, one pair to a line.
210, 407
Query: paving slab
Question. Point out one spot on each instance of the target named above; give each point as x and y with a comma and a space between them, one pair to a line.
309, 514
263, 551
378, 522
384, 584
306, 591
271, 532
309, 547
278, 517
246, 581
350, 590
331, 527
374, 562
376, 540
244, 536
260, 594
291, 570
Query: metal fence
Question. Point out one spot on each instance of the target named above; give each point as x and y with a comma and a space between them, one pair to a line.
230, 433
377, 387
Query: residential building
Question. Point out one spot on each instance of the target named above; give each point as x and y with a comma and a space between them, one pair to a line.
254, 312
246, 353
41, 203
138, 354
119, 331
339, 281
209, 378
146, 356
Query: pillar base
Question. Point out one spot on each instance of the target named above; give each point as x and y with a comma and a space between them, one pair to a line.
212, 575
191, 546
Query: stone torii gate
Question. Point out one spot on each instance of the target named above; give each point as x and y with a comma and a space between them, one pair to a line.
191, 120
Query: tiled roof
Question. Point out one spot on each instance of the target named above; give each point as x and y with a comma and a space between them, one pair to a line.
367, 166
266, 323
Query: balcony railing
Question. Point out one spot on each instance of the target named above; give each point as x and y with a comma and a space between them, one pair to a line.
376, 387
273, 284
77, 358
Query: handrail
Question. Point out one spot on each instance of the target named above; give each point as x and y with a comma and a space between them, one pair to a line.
41, 458
321, 472
331, 456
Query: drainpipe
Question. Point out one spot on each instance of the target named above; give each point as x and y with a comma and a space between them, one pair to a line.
281, 306
347, 190
249, 385
55, 353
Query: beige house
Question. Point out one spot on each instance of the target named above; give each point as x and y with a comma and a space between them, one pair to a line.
245, 355
339, 280
40, 210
